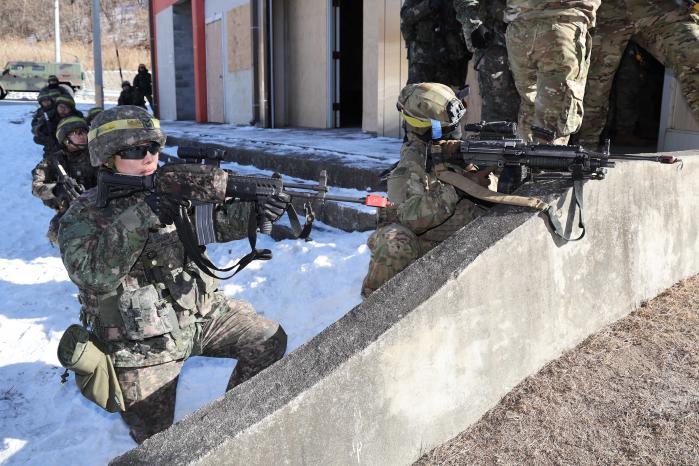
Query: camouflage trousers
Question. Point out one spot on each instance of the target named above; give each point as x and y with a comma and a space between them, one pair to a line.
549, 60
393, 248
674, 36
499, 97
234, 330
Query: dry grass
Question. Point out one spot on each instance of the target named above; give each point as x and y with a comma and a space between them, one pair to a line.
20, 49
627, 395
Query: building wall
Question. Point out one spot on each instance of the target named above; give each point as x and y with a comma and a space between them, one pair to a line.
370, 87
306, 72
392, 67
237, 67
679, 130
166, 64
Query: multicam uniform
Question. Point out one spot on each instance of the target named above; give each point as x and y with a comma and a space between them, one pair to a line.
672, 29
436, 48
144, 299
424, 213
500, 100
45, 178
549, 50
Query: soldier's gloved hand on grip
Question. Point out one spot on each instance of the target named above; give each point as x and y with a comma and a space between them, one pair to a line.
166, 207
275, 206
66, 191
481, 37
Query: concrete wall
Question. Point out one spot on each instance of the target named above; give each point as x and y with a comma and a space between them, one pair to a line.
165, 46
184, 60
679, 129
487, 308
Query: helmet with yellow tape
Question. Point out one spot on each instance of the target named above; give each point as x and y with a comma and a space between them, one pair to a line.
67, 126
120, 128
430, 109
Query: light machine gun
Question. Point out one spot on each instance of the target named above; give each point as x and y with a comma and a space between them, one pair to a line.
496, 145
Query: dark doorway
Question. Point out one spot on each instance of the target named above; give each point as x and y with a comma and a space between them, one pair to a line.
350, 58
184, 60
635, 102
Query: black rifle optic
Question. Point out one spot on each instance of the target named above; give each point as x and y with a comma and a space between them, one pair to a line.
497, 145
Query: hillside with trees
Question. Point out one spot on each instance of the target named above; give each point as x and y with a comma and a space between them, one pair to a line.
27, 29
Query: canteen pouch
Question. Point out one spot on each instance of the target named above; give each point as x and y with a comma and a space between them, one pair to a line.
95, 376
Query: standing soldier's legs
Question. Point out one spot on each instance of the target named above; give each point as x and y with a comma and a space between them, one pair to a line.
234, 330
393, 248
563, 59
611, 35
500, 100
676, 36
149, 394
520, 48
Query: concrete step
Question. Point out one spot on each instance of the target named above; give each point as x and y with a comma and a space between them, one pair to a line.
352, 159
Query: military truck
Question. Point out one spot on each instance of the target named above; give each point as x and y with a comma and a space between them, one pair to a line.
31, 76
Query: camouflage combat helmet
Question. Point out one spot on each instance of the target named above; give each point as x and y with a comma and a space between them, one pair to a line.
68, 125
430, 108
66, 100
47, 93
92, 113
119, 128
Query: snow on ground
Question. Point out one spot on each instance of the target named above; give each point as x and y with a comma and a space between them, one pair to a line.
44, 422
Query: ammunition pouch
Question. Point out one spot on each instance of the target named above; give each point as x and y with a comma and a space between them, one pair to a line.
80, 352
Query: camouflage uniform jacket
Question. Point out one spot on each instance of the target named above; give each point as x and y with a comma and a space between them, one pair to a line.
429, 208
580, 10
45, 175
473, 13
431, 36
139, 292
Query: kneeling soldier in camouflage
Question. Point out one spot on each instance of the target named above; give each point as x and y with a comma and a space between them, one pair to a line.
424, 210
143, 298
63, 175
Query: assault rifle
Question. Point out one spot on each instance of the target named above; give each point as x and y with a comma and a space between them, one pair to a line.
202, 186
497, 145
71, 188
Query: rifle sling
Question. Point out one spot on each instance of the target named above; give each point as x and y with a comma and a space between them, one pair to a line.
477, 191
185, 231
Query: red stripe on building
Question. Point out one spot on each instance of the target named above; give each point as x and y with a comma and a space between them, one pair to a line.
199, 39
160, 5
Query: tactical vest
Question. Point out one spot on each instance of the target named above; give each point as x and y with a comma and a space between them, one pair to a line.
155, 305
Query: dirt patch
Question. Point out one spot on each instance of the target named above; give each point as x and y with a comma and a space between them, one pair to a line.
626, 395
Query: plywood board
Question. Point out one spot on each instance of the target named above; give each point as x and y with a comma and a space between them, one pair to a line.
239, 39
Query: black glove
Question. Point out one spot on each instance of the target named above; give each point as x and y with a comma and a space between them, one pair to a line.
275, 206
166, 207
481, 37
68, 189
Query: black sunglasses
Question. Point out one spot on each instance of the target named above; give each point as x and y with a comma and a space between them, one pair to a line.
139, 152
